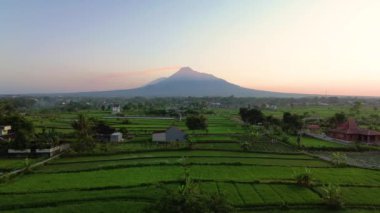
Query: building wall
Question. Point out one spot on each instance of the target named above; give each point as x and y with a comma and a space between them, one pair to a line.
159, 137
116, 110
355, 137
116, 138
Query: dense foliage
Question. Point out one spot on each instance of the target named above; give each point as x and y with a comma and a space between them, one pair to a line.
196, 122
291, 123
83, 127
251, 116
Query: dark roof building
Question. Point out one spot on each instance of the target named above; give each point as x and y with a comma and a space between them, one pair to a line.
349, 131
172, 134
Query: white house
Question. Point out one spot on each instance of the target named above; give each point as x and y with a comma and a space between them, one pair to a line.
4, 130
116, 109
172, 134
116, 137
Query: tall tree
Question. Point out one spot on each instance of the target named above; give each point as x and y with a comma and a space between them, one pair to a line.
100, 127
336, 120
196, 122
291, 122
83, 127
252, 116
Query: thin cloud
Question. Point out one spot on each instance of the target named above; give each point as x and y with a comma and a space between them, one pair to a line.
140, 73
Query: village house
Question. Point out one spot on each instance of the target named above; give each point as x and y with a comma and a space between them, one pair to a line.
116, 137
349, 131
172, 134
5, 133
116, 109
4, 130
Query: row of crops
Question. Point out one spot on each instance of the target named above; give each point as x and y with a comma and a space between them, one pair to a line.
129, 176
217, 124
254, 180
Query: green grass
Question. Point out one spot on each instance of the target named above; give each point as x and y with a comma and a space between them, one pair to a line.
95, 206
130, 175
153, 174
359, 195
237, 194
213, 138
309, 142
9, 164
86, 180
176, 153
173, 160
61, 197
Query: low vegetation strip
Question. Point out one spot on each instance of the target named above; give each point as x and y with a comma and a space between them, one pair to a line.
115, 205
183, 153
103, 178
246, 197
153, 174
161, 161
253, 159
368, 195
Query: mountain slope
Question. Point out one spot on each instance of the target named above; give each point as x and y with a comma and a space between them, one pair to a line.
187, 82
156, 81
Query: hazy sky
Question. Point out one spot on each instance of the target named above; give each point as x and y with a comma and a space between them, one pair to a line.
305, 46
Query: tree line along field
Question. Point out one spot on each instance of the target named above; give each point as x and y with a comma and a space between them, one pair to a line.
320, 111
130, 176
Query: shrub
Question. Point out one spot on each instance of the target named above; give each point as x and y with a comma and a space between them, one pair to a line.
84, 145
305, 178
339, 159
245, 146
333, 196
196, 122
126, 121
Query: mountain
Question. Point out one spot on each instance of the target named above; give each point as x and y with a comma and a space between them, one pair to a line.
156, 81
187, 82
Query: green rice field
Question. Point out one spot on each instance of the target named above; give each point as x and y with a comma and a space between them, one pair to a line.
131, 175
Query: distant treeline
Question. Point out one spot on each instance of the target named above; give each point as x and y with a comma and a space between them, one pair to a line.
137, 103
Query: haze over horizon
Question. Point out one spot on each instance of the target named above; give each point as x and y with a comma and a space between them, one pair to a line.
298, 46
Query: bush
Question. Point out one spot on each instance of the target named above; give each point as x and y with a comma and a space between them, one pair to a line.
84, 145
196, 122
339, 159
305, 178
245, 146
333, 196
126, 121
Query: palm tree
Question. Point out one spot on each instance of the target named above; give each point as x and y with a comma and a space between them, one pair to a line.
339, 159
333, 196
83, 126
49, 137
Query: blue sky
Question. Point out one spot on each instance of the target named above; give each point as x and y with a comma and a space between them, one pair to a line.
81, 45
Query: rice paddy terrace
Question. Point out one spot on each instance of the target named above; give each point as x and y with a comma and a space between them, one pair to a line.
130, 176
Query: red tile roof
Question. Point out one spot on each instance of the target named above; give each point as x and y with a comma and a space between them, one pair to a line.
351, 128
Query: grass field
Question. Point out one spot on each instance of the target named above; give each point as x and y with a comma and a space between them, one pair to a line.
309, 142
9, 164
248, 180
133, 174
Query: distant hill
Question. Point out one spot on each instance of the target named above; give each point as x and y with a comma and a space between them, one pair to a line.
187, 82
